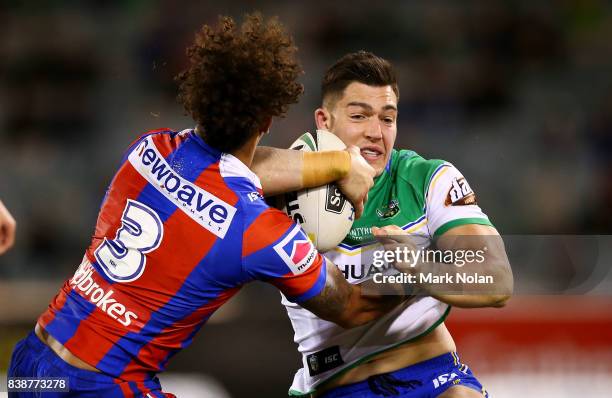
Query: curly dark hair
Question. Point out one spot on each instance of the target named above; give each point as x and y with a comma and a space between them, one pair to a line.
239, 78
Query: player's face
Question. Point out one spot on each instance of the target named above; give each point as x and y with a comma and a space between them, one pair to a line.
365, 116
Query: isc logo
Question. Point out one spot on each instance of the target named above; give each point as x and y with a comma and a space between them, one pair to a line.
443, 379
331, 358
324, 360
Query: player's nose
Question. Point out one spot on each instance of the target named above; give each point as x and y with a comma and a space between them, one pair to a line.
374, 131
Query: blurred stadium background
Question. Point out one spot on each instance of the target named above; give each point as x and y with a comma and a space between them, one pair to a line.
518, 95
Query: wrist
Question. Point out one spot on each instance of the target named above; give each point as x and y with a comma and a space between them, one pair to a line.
320, 168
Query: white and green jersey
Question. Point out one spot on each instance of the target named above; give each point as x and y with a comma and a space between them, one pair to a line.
424, 197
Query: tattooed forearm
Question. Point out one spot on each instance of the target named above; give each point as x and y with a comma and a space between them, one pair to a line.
345, 304
335, 297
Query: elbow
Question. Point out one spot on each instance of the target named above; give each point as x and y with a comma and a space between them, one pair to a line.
504, 289
499, 300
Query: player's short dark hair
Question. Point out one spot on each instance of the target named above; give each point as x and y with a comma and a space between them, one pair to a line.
238, 78
361, 66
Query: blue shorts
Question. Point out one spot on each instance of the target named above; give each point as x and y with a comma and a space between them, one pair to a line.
32, 358
426, 379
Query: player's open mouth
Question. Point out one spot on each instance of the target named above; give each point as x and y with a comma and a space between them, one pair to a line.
371, 154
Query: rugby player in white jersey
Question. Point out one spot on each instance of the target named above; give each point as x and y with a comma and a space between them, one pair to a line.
409, 352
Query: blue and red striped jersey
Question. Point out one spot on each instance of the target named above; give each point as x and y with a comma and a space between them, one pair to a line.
181, 228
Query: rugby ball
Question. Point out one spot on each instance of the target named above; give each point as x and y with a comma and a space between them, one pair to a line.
323, 212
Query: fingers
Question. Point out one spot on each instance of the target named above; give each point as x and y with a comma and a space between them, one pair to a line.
358, 159
7, 229
390, 245
360, 206
388, 230
394, 229
383, 236
7, 237
394, 234
380, 232
358, 210
356, 184
354, 150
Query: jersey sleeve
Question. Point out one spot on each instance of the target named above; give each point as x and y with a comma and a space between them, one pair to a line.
450, 201
276, 250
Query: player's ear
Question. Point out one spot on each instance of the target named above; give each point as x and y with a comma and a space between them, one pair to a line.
265, 127
322, 119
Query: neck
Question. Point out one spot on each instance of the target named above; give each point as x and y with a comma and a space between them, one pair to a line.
246, 152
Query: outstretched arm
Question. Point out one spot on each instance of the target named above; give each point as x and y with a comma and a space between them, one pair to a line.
286, 170
495, 264
345, 304
440, 280
280, 170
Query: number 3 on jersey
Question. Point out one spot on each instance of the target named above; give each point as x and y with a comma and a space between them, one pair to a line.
123, 258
